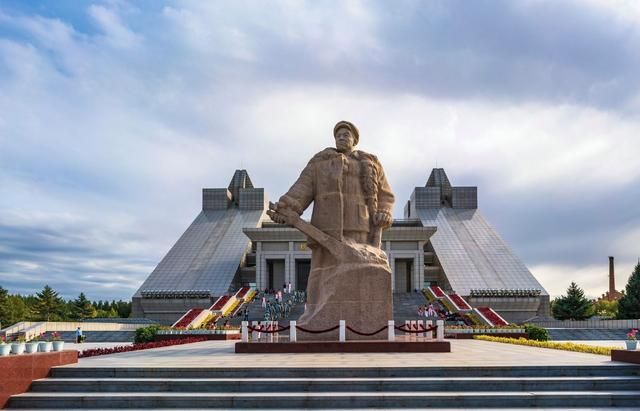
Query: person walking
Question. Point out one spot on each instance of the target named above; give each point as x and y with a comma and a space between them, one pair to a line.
78, 335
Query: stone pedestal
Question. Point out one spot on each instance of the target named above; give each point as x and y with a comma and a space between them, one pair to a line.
357, 292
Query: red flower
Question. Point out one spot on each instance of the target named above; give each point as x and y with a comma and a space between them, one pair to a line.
138, 346
460, 302
190, 316
437, 291
492, 316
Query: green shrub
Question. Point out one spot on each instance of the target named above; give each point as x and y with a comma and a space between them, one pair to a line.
536, 333
146, 334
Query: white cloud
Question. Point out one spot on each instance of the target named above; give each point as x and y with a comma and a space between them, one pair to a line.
106, 138
115, 31
593, 279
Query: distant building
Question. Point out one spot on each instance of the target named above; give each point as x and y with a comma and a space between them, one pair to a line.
443, 240
612, 294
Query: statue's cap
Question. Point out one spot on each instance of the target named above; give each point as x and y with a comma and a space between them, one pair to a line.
349, 125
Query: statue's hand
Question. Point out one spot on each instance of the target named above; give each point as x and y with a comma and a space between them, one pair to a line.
281, 214
382, 219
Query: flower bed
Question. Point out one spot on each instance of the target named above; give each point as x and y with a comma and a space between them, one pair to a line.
473, 317
492, 316
566, 346
460, 302
242, 292
217, 306
437, 291
139, 346
190, 316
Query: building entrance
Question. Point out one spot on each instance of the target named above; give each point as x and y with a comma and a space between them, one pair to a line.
303, 268
403, 270
275, 274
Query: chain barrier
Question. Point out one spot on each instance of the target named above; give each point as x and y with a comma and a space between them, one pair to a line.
317, 331
367, 334
415, 329
268, 330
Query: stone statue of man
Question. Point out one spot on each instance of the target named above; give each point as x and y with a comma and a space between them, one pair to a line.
350, 277
352, 198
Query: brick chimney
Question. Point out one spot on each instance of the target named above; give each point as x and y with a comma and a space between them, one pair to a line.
612, 278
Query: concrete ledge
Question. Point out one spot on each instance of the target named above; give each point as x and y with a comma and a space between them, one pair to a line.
213, 337
18, 371
469, 336
303, 347
626, 356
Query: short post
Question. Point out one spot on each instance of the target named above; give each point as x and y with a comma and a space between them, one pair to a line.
440, 330
270, 329
292, 331
430, 332
407, 326
343, 331
413, 327
422, 325
245, 331
391, 330
254, 334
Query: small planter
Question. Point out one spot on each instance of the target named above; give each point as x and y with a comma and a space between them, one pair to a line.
45, 346
58, 345
17, 348
631, 345
5, 349
31, 347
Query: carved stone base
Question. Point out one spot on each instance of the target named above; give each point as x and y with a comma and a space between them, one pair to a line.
359, 293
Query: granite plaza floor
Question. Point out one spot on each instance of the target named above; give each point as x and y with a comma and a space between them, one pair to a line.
464, 353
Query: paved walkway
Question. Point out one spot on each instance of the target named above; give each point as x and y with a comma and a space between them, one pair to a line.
90, 345
464, 353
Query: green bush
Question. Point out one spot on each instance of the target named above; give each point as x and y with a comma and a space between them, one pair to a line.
536, 333
146, 334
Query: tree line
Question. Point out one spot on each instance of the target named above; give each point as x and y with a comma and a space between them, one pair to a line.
575, 306
47, 305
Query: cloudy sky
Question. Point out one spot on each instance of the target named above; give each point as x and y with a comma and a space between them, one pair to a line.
114, 115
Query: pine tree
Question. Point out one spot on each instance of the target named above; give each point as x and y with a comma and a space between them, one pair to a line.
82, 308
49, 306
575, 306
17, 310
629, 304
4, 307
124, 309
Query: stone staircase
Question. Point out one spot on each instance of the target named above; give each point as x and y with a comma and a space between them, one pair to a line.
405, 306
321, 388
256, 313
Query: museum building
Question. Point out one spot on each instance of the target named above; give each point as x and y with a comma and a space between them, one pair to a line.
443, 240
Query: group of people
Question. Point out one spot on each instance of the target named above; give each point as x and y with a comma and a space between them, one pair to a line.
278, 294
430, 311
280, 307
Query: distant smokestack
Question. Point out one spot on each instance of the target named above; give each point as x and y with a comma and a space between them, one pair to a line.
612, 278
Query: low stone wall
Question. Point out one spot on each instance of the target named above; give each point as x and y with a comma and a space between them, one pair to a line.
32, 329
18, 371
469, 336
165, 337
626, 356
608, 324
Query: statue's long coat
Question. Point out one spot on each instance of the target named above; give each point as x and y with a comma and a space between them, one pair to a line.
346, 191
